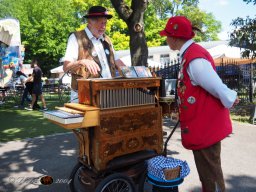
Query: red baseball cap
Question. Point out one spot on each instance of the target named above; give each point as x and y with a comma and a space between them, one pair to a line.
178, 26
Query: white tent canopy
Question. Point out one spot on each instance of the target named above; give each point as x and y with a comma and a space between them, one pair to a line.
57, 69
225, 51
66, 79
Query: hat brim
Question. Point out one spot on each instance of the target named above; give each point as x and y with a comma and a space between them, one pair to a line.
163, 33
95, 16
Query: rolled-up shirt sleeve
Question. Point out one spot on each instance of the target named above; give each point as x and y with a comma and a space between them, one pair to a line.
71, 53
202, 74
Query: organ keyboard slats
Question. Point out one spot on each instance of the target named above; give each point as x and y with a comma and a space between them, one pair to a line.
118, 93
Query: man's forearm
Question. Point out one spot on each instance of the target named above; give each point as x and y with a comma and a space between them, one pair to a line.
69, 66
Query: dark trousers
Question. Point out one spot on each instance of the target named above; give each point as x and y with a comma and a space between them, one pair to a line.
25, 96
208, 163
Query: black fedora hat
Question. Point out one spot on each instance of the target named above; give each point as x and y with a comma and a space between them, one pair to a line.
98, 11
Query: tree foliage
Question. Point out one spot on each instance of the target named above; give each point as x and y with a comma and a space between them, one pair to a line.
244, 34
204, 21
189, 8
168, 8
250, 1
44, 25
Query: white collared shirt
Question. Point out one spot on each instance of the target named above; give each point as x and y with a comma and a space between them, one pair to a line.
72, 52
202, 74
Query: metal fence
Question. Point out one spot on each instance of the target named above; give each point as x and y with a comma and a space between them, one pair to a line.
239, 77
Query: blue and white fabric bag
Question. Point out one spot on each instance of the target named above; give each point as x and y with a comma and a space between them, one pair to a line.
158, 164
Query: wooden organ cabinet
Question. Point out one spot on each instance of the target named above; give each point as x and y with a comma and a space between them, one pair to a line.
121, 116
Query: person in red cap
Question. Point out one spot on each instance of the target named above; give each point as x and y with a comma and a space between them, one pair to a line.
89, 52
204, 103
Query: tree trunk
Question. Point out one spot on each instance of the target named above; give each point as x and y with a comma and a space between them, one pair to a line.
133, 17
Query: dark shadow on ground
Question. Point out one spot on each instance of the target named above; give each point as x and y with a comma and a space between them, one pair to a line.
53, 155
241, 183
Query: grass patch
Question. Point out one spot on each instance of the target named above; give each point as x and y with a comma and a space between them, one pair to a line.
17, 124
240, 118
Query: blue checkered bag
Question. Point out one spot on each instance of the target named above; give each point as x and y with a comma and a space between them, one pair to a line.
158, 164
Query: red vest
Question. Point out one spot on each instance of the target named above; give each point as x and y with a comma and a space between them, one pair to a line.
204, 120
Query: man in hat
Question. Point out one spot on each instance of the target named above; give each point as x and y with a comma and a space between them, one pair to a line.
90, 53
203, 103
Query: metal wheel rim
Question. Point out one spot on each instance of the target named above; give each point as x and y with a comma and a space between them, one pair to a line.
117, 185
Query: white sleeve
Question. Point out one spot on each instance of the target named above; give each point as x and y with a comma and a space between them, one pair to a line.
72, 49
202, 73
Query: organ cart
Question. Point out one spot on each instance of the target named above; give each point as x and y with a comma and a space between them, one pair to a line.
118, 123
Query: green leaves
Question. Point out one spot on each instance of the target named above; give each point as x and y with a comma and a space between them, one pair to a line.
45, 26
244, 36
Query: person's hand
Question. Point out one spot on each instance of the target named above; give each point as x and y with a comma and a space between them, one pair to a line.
236, 101
91, 66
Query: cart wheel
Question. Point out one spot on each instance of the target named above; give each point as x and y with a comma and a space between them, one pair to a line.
116, 182
143, 185
75, 178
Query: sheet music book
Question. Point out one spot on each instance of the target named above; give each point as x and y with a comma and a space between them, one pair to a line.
141, 71
135, 71
63, 117
128, 71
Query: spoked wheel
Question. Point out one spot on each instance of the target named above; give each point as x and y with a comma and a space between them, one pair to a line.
143, 185
78, 182
116, 182
74, 177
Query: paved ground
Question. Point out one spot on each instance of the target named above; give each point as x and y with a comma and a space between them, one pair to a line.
23, 163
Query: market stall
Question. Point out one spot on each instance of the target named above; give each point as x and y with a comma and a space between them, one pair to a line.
11, 50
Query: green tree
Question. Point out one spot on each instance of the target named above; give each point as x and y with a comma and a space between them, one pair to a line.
250, 1
244, 34
44, 25
189, 8
204, 21
153, 25
168, 8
